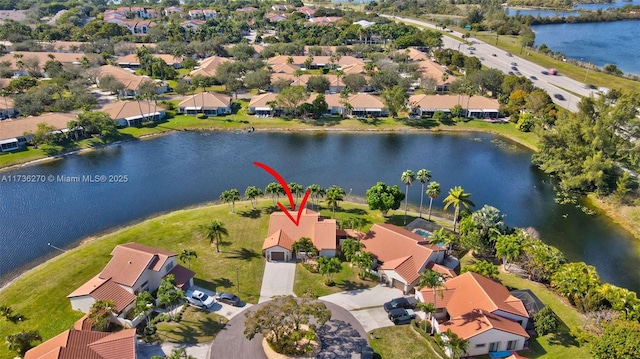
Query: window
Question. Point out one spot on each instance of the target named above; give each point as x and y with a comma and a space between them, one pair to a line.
494, 347
511, 344
481, 345
168, 267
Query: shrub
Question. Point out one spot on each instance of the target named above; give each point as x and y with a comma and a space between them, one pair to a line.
545, 321
201, 116
168, 105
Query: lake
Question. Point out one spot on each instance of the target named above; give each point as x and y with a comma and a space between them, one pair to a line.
190, 168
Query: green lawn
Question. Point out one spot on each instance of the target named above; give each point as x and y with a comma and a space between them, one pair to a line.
47, 309
347, 279
401, 342
196, 326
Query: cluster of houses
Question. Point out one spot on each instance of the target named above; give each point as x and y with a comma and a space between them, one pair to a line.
474, 307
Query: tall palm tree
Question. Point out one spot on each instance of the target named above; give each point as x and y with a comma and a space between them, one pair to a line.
457, 197
214, 232
434, 281
407, 178
456, 345
296, 189
252, 193
424, 176
187, 255
335, 194
100, 314
433, 191
317, 192
428, 309
144, 305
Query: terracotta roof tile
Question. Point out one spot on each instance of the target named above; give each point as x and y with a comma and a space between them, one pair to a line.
130, 80
278, 238
437, 102
207, 99
130, 260
323, 238
133, 58
124, 109
443, 296
208, 66
478, 321
182, 275
84, 344
17, 127
112, 291
445, 271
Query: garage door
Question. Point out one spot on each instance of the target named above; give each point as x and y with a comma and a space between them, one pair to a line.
277, 256
398, 284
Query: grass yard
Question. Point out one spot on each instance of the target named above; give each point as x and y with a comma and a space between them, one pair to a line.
347, 279
401, 341
196, 326
47, 309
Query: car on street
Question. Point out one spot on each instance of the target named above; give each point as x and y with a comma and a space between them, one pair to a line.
494, 55
559, 97
588, 87
533, 77
402, 302
514, 64
471, 48
401, 315
544, 72
514, 68
228, 298
366, 353
509, 54
199, 299
518, 73
511, 73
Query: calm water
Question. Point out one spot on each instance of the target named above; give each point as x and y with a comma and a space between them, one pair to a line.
598, 43
189, 168
540, 13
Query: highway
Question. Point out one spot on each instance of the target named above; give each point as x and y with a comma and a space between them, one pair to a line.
557, 86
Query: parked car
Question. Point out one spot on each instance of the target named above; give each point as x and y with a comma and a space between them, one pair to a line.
366, 353
514, 68
511, 73
518, 73
544, 72
533, 77
402, 302
228, 298
401, 315
559, 97
199, 299
514, 64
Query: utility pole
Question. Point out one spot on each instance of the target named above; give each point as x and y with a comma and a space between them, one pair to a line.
238, 279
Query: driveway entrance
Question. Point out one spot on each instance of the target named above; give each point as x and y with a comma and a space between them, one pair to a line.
277, 280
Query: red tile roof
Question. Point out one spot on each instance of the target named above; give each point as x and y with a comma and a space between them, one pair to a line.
84, 344
182, 275
479, 321
207, 99
320, 230
101, 289
445, 271
130, 260
278, 238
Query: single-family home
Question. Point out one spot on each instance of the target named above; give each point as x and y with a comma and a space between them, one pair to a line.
192, 24
18, 60
281, 7
308, 11
283, 233
273, 17
474, 106
402, 255
323, 21
77, 343
247, 9
364, 23
205, 14
208, 66
134, 113
133, 62
264, 105
133, 268
317, 62
173, 10
129, 79
480, 310
430, 69
209, 103
364, 104
6, 107
138, 26
16, 133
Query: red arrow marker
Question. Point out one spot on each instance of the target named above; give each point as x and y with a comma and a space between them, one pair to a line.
284, 185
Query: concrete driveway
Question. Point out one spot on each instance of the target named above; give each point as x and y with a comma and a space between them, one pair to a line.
277, 280
147, 351
372, 318
225, 310
363, 298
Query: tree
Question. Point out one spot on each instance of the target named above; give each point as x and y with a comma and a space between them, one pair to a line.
252, 193
350, 247
433, 191
187, 255
328, 267
317, 192
23, 341
395, 99
291, 97
434, 281
95, 122
354, 82
5, 311
169, 295
181, 87
384, 197
335, 194
407, 178
385, 79
318, 84
305, 245
541, 260
144, 305
456, 345
100, 314
545, 321
110, 83
575, 281
509, 247
214, 232
620, 340
319, 106
364, 261
457, 197
296, 189
424, 176
484, 268
258, 79
275, 190
231, 196
178, 353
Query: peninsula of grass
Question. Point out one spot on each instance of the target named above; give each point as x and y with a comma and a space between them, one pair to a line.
196, 326
313, 283
401, 342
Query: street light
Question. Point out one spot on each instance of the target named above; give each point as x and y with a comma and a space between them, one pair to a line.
56, 248
238, 279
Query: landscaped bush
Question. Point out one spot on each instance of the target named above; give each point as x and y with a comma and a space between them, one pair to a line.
545, 321
297, 343
311, 267
201, 116
168, 105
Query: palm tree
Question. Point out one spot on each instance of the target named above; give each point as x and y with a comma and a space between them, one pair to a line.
433, 191
317, 192
144, 305
252, 192
274, 189
424, 176
434, 281
23, 341
305, 245
407, 178
231, 196
335, 194
100, 314
364, 261
296, 189
214, 232
297, 73
187, 255
455, 344
428, 309
457, 197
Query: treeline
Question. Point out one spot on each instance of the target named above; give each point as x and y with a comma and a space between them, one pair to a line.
627, 12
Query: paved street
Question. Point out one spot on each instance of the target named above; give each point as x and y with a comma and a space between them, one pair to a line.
277, 280
483, 51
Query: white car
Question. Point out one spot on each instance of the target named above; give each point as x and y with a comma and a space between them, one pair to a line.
200, 299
